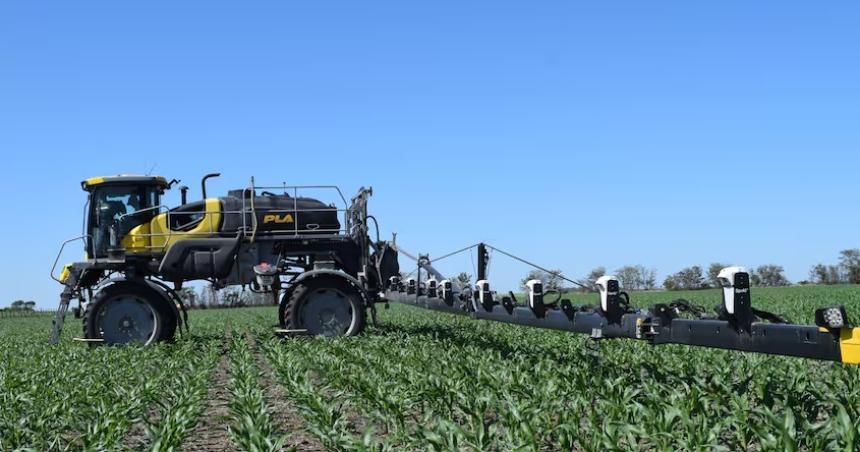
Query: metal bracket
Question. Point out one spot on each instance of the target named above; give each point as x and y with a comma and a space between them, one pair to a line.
291, 332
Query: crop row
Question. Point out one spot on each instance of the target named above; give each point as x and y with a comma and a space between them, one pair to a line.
71, 397
446, 382
423, 380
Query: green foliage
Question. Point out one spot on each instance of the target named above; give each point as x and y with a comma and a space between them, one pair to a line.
464, 279
849, 260
70, 397
596, 273
251, 427
713, 273
770, 276
551, 280
21, 305
428, 381
848, 270
690, 278
826, 274
189, 296
587, 283
636, 277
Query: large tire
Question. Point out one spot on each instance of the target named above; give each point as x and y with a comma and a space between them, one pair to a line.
324, 305
129, 313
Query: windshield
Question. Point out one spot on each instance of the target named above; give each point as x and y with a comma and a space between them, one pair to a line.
114, 203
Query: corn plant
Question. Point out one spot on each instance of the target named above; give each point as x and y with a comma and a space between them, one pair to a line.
429, 381
251, 428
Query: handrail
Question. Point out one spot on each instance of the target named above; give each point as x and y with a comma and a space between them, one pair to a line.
253, 211
249, 207
284, 188
63, 247
158, 207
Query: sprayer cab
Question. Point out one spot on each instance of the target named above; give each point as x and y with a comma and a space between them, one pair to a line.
307, 256
117, 204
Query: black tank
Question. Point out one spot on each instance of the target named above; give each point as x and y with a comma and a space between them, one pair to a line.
276, 214
279, 213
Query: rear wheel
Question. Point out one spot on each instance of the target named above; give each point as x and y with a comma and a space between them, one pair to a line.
325, 305
129, 313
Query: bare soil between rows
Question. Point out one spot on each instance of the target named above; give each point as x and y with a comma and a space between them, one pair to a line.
211, 433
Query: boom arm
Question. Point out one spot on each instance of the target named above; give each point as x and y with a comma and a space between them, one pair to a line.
738, 327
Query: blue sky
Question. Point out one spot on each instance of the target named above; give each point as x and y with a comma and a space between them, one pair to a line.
574, 133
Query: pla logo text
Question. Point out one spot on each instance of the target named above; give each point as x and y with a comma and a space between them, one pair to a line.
278, 219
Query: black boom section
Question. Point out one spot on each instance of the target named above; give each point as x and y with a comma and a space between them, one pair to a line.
775, 339
190, 259
585, 322
735, 324
803, 341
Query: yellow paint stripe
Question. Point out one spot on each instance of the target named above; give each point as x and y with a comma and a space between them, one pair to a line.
94, 181
849, 345
67, 271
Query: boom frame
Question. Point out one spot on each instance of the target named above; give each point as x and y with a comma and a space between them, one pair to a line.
658, 324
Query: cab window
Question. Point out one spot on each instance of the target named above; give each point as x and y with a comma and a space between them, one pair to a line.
115, 203
122, 206
188, 216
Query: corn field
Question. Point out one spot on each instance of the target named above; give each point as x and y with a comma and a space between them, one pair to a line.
423, 381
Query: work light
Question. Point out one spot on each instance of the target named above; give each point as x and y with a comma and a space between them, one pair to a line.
834, 317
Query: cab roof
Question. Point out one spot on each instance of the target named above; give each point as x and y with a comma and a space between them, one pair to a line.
94, 182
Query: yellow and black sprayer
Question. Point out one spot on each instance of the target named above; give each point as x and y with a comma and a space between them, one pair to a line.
319, 263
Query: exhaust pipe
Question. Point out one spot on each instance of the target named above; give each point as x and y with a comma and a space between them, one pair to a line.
203, 182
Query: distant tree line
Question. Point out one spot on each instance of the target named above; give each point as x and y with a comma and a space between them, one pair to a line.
21, 305
551, 280
231, 297
694, 278
640, 277
21, 308
846, 271
632, 277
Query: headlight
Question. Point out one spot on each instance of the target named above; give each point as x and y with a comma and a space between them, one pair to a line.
834, 317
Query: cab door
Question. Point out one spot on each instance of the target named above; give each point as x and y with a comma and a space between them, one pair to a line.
118, 209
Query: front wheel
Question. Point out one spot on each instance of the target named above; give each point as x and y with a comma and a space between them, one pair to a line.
325, 305
129, 313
